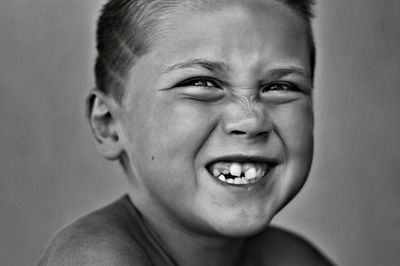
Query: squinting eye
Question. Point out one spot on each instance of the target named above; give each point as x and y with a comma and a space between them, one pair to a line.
286, 86
199, 82
204, 83
201, 89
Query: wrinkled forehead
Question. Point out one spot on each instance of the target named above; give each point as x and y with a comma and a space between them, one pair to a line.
172, 17
248, 41
234, 29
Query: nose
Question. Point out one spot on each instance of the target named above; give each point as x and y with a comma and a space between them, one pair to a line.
247, 123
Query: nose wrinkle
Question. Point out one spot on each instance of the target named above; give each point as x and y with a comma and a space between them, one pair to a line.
249, 107
248, 103
247, 118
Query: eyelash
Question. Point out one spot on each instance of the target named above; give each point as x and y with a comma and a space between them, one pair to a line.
288, 86
284, 86
193, 81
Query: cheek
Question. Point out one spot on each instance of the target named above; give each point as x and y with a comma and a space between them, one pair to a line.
170, 139
294, 124
185, 126
170, 129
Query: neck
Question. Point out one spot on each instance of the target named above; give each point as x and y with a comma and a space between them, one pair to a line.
187, 247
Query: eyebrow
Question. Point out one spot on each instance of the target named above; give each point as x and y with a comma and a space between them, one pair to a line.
221, 67
277, 73
212, 66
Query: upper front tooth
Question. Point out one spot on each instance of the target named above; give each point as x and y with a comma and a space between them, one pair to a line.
250, 173
236, 169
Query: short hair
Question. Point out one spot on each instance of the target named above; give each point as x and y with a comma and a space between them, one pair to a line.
125, 29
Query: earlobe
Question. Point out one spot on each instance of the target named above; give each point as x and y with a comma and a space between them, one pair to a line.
104, 124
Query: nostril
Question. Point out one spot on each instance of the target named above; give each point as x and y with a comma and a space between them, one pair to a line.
238, 132
247, 125
263, 134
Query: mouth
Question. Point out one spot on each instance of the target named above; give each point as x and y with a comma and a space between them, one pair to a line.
240, 171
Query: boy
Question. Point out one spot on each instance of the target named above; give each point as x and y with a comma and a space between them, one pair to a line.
208, 107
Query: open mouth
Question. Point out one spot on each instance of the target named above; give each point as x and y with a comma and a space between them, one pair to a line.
238, 173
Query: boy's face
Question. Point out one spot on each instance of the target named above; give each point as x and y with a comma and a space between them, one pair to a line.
222, 88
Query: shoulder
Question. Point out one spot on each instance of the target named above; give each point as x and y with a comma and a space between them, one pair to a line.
100, 238
285, 248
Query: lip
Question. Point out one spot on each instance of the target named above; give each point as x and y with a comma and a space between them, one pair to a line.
243, 159
258, 184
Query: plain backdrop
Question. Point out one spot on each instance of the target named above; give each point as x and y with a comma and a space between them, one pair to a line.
51, 173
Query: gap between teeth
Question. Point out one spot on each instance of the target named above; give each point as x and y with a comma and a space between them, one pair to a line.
243, 173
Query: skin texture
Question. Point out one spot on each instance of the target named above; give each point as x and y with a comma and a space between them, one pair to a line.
171, 131
114, 235
105, 237
251, 98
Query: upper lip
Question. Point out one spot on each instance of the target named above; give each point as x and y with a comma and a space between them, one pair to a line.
240, 158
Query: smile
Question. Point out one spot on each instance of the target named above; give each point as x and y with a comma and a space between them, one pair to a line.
238, 173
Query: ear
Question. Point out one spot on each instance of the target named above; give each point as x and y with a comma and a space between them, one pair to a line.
101, 112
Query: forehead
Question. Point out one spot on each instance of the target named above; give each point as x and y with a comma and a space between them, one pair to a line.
208, 13
243, 34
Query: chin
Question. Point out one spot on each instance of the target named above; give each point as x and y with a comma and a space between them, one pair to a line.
245, 211
240, 222
242, 229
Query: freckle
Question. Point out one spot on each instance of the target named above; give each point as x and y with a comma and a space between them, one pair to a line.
152, 158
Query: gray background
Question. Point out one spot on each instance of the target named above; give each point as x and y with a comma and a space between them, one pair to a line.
50, 172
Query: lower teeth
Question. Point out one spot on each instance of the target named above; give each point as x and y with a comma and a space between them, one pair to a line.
237, 180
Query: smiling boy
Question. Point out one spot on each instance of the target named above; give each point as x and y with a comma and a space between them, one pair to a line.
208, 107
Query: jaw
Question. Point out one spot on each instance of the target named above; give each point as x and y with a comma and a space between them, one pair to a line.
235, 210
245, 210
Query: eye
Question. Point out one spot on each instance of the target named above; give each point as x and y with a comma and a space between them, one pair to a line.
200, 89
199, 82
204, 83
281, 86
